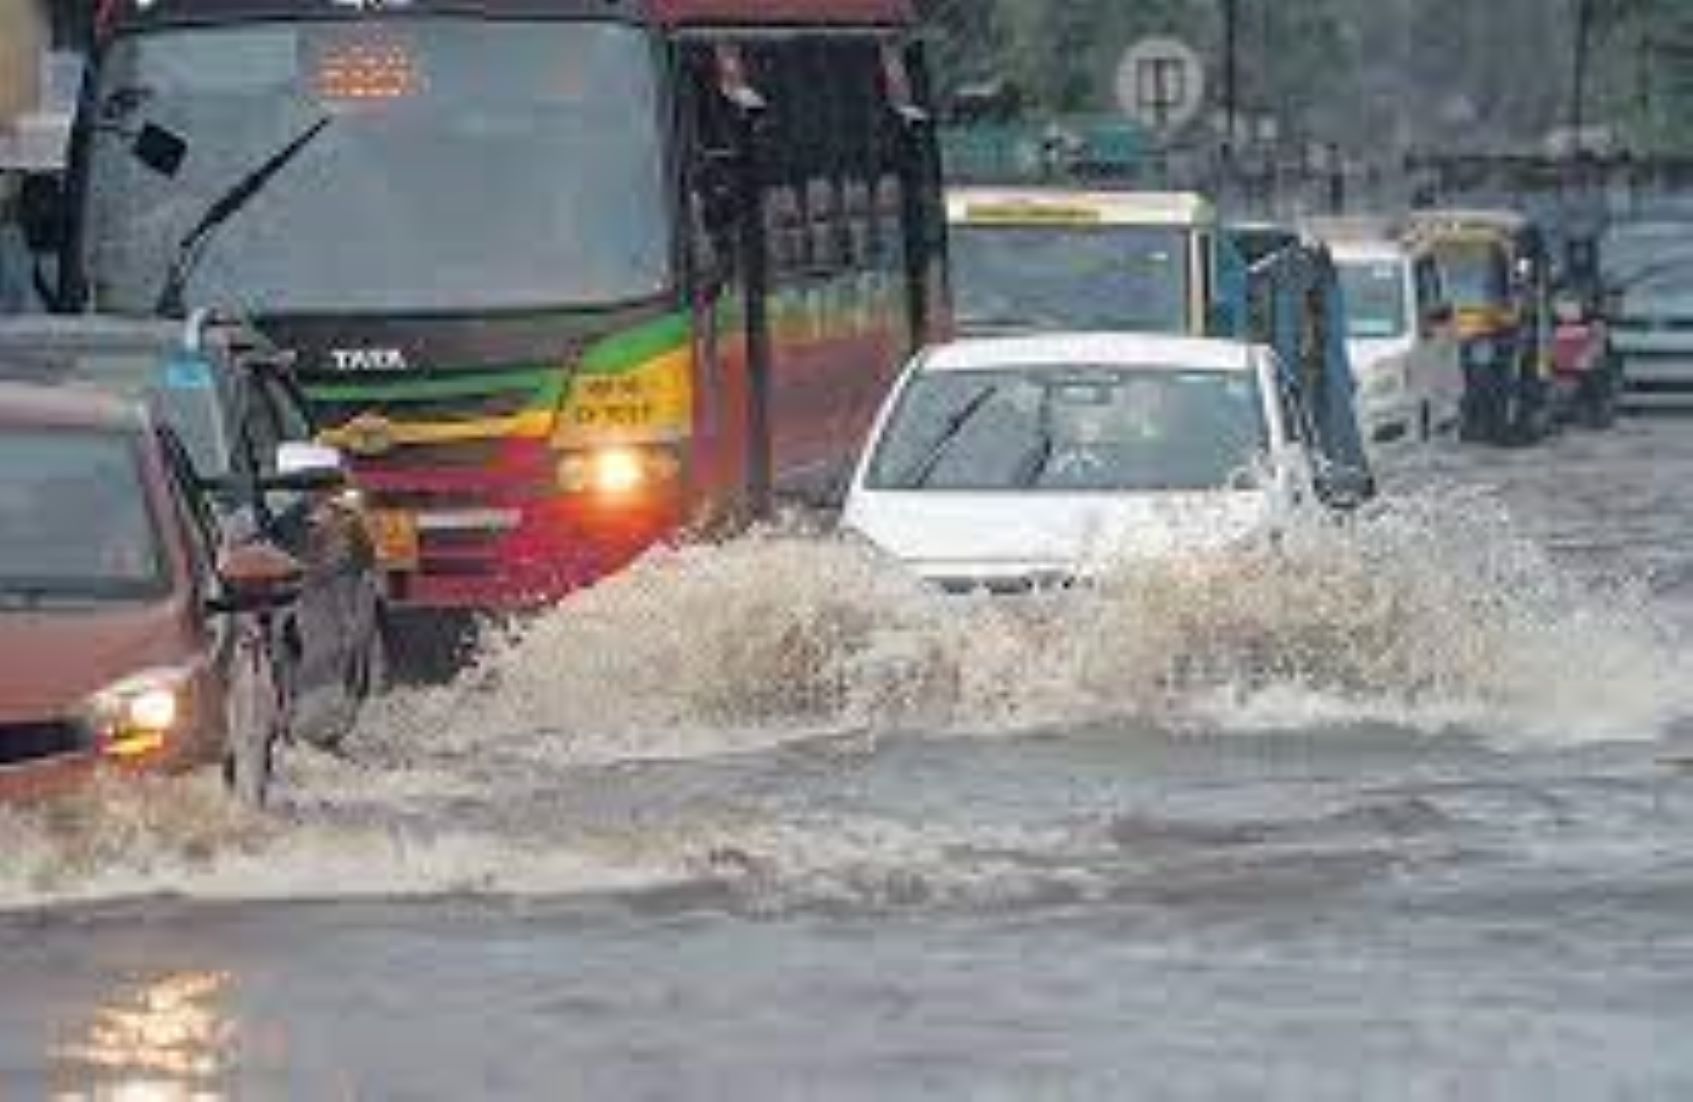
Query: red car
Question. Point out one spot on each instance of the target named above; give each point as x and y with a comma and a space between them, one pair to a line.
131, 636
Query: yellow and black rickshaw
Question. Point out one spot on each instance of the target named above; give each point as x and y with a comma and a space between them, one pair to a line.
1497, 275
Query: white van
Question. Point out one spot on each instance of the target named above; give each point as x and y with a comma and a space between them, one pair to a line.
1401, 340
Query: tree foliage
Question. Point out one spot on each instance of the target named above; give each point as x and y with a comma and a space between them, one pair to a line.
1365, 73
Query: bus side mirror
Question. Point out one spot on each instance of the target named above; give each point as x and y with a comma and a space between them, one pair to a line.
43, 214
160, 149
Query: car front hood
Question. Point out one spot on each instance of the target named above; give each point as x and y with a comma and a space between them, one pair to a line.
52, 660
997, 535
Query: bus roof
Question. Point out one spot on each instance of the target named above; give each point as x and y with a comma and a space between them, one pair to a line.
128, 15
1458, 222
787, 12
1064, 206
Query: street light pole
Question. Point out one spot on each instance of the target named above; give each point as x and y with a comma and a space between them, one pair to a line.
1231, 71
1578, 84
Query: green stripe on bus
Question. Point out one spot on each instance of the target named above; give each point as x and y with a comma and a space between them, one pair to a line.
456, 386
626, 351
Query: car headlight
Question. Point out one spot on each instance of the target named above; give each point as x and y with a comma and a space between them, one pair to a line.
139, 716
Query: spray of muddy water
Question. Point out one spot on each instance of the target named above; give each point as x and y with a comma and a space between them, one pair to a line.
1429, 614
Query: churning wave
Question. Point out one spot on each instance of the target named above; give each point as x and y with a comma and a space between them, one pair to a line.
1429, 614
1428, 611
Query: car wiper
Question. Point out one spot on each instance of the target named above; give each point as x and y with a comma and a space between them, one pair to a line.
925, 468
1039, 458
193, 244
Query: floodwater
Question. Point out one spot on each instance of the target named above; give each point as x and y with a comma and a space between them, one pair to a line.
1402, 812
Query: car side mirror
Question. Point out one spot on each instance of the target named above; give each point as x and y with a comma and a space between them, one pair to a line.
1345, 488
160, 149
306, 468
43, 214
257, 577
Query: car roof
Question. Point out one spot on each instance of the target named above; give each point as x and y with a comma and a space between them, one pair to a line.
66, 407
985, 206
93, 332
100, 352
1068, 350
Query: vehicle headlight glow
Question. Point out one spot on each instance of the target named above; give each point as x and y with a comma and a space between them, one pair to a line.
616, 472
137, 717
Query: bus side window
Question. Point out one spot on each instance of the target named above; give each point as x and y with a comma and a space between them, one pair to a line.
713, 160
822, 223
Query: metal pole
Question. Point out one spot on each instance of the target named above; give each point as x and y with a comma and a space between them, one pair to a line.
1583, 57
1231, 71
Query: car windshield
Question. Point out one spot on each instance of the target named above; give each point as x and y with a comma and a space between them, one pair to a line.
180, 390
466, 165
1130, 278
1082, 429
1475, 273
1376, 303
74, 517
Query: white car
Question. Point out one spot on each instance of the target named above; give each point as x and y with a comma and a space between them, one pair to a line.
1008, 464
1401, 340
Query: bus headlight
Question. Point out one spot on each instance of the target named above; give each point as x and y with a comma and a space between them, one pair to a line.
137, 717
617, 472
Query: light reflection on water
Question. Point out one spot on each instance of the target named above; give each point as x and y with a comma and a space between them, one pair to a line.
169, 1038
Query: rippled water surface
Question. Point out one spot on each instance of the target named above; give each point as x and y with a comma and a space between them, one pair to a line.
1399, 812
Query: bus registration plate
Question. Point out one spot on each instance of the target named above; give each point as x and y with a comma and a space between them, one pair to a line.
394, 535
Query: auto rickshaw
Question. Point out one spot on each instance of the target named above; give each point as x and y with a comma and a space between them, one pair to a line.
1498, 277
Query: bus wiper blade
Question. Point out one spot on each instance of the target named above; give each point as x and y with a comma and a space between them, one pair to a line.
231, 203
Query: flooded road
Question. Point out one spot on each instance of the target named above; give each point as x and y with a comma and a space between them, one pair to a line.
1401, 814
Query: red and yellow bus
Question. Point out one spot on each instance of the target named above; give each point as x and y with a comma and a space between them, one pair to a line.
565, 277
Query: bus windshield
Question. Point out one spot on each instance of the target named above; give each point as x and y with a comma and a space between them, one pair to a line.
1132, 278
466, 165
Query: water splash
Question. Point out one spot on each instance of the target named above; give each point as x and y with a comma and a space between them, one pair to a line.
1428, 614
1429, 611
